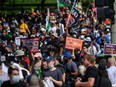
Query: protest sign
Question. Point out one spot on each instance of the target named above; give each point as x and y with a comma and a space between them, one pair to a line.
30, 43
73, 43
109, 49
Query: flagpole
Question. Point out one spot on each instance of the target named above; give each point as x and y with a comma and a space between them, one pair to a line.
58, 5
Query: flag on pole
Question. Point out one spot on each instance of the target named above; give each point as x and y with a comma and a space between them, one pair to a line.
73, 16
75, 13
61, 3
48, 25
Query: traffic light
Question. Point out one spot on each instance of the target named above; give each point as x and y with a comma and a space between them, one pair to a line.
105, 9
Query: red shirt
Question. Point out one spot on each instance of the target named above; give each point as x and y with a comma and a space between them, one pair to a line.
26, 59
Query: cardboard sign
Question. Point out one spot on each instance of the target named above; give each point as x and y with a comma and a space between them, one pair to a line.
73, 43
109, 49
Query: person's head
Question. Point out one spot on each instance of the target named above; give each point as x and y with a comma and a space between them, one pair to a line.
57, 59
5, 32
82, 69
38, 56
111, 62
13, 73
85, 48
44, 64
22, 20
32, 81
89, 60
62, 38
77, 52
50, 62
43, 31
67, 56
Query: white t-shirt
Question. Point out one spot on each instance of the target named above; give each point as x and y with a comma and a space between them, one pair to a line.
112, 74
4, 77
5, 69
54, 29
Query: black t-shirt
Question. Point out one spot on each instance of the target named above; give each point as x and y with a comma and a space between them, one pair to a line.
56, 74
8, 84
91, 72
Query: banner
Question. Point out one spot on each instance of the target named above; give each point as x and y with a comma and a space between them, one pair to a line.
109, 49
73, 43
30, 43
17, 41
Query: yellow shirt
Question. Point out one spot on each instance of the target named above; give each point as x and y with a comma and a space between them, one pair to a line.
23, 28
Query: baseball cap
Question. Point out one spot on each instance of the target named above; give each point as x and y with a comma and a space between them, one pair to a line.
33, 81
67, 54
38, 55
50, 58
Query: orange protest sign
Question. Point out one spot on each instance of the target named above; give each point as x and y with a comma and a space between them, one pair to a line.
73, 43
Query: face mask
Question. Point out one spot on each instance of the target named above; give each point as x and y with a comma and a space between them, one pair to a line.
50, 66
15, 79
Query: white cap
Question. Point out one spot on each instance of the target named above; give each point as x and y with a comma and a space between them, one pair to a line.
83, 30
43, 29
88, 39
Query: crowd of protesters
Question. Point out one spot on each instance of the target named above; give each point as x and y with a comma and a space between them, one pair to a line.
52, 65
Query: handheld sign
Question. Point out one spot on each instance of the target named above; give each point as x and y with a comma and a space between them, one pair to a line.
109, 49
73, 43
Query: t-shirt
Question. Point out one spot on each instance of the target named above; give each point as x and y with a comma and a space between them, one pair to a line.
27, 60
112, 74
71, 66
91, 72
56, 74
8, 84
3, 78
23, 28
61, 68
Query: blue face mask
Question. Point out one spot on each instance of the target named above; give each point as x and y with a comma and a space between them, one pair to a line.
15, 79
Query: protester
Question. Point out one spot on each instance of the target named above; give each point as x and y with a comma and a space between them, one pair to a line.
71, 69
53, 74
112, 70
14, 81
91, 75
60, 66
29, 39
36, 67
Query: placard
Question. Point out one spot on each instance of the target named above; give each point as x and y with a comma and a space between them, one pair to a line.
30, 43
73, 43
109, 49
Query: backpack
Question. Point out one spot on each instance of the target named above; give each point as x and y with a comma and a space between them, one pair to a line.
103, 81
